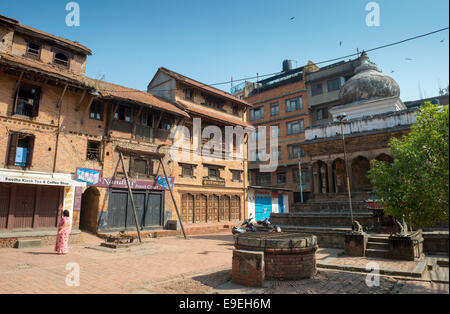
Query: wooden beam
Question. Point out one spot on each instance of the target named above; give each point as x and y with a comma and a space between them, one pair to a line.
140, 152
83, 116
62, 96
78, 106
173, 198
135, 118
131, 197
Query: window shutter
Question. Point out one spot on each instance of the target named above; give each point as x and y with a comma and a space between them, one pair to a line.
13, 139
37, 99
30, 151
16, 96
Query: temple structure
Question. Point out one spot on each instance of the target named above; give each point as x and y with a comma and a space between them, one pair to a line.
374, 113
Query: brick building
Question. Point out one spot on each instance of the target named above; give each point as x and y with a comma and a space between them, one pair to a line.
62, 135
208, 190
280, 102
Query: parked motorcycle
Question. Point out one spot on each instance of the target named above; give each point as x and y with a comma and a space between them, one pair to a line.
248, 225
268, 226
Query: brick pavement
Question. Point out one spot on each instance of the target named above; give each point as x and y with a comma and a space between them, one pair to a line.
201, 264
39, 270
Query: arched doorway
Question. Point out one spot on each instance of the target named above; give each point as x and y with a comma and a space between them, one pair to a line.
339, 175
360, 168
321, 172
386, 158
89, 209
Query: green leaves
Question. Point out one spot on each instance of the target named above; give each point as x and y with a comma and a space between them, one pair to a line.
416, 184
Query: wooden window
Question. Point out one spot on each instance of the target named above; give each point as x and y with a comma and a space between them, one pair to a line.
236, 110
263, 179
165, 124
274, 109
61, 58
27, 100
141, 167
296, 178
123, 113
293, 151
322, 114
187, 170
145, 118
20, 149
213, 173
275, 130
316, 89
93, 150
33, 50
333, 85
294, 104
295, 127
281, 177
189, 94
257, 113
236, 175
96, 111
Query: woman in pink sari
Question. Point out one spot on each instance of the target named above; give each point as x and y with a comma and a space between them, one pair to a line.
62, 239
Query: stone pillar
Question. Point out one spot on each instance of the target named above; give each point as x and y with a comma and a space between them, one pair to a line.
316, 181
330, 178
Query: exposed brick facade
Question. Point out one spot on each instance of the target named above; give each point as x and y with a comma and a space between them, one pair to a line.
65, 124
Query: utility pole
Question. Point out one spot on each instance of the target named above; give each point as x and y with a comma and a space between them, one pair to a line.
341, 117
300, 176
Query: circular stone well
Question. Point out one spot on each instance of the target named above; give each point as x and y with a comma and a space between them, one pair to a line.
287, 256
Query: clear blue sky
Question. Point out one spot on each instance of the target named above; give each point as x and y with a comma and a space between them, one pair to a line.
211, 40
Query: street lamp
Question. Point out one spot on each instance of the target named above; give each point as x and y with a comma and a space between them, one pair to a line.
341, 117
300, 176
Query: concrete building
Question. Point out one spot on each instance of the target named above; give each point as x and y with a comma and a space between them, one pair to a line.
323, 87
280, 106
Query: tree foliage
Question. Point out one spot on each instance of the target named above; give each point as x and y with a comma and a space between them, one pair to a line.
416, 185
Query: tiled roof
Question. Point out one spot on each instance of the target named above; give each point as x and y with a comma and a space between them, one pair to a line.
213, 114
107, 90
202, 86
50, 69
39, 33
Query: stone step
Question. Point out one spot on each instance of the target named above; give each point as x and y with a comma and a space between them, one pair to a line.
377, 245
377, 253
378, 240
27, 243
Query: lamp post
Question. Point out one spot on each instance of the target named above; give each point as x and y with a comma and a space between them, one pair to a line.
341, 117
300, 176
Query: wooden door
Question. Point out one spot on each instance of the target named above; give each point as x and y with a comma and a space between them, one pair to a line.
24, 206
225, 210
235, 208
153, 216
187, 208
213, 208
49, 201
203, 208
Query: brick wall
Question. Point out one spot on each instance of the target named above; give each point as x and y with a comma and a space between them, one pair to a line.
290, 266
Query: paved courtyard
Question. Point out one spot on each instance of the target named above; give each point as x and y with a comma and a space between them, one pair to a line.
201, 264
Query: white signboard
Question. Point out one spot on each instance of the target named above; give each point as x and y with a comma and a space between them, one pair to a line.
39, 181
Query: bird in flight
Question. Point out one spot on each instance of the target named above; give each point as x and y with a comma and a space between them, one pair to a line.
408, 59
292, 18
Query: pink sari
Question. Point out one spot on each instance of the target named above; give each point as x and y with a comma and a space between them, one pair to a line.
62, 239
